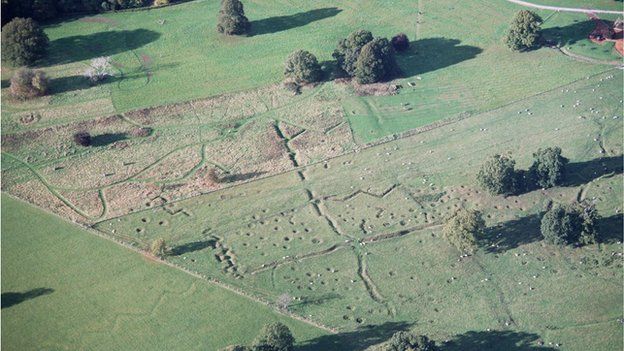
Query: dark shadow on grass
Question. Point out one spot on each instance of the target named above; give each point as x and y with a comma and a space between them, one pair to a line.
610, 229
357, 340
14, 298
107, 139
512, 234
194, 246
231, 178
5, 83
282, 23
72, 83
580, 173
568, 35
316, 300
108, 43
495, 340
431, 54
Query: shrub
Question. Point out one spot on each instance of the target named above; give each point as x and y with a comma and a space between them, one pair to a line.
302, 66
161, 2
548, 167
524, 31
462, 229
23, 42
375, 62
400, 42
406, 341
158, 247
82, 138
569, 224
497, 175
236, 348
27, 83
232, 20
348, 50
274, 337
99, 69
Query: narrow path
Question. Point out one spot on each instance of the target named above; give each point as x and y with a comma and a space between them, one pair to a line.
564, 9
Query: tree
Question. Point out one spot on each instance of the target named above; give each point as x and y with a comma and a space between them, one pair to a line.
348, 50
462, 229
23, 42
232, 20
283, 301
236, 348
406, 341
158, 247
548, 167
569, 224
27, 83
82, 138
498, 176
302, 66
400, 42
99, 69
274, 337
375, 62
524, 31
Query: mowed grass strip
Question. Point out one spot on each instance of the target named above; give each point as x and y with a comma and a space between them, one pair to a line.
63, 288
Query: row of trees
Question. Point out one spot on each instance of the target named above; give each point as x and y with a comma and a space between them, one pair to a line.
499, 177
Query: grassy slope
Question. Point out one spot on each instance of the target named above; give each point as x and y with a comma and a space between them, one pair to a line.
586, 4
107, 298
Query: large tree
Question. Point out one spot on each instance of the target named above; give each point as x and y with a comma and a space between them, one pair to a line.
303, 67
232, 20
524, 31
27, 83
548, 167
376, 61
498, 176
462, 229
407, 341
348, 50
570, 224
23, 42
274, 337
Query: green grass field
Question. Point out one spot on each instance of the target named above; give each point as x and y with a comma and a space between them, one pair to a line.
65, 289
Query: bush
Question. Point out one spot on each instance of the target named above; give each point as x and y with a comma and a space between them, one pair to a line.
99, 69
400, 42
348, 50
274, 337
302, 66
462, 229
232, 20
161, 2
406, 341
158, 247
570, 224
498, 176
376, 61
236, 348
548, 167
524, 31
23, 42
82, 138
27, 83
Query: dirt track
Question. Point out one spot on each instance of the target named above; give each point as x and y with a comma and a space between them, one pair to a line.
564, 9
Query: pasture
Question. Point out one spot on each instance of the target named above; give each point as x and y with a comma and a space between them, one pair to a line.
332, 196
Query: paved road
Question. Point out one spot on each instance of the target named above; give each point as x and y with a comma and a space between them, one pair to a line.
564, 9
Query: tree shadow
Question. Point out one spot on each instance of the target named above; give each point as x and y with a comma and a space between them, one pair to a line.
610, 229
357, 340
495, 340
194, 246
108, 43
427, 55
568, 35
107, 139
231, 178
512, 234
580, 173
316, 300
13, 298
282, 23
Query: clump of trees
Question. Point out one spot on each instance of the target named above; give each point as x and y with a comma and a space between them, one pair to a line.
303, 67
158, 247
408, 341
524, 31
367, 59
27, 83
548, 169
82, 138
99, 69
232, 20
272, 337
498, 175
570, 224
462, 229
400, 42
23, 42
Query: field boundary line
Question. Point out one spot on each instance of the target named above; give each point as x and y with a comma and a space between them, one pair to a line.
564, 9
